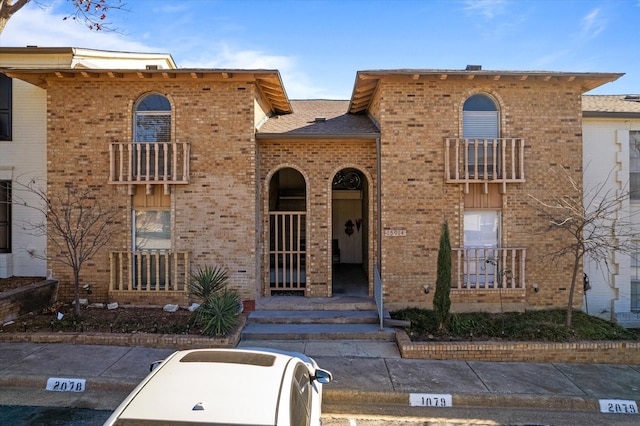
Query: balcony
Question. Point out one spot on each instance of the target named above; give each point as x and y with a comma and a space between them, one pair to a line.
486, 268
486, 161
150, 272
149, 163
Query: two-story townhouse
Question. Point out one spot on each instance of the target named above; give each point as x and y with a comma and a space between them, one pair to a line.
312, 198
611, 135
23, 142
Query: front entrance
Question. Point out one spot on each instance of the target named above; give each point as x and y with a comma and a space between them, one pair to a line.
287, 233
349, 234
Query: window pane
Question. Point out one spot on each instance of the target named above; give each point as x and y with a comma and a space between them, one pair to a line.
5, 217
153, 128
154, 103
635, 296
5, 107
153, 230
481, 228
634, 164
480, 124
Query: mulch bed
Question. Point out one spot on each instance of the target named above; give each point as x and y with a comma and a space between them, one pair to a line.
61, 317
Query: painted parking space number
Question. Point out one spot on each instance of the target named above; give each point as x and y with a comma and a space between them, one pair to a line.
618, 406
57, 384
430, 400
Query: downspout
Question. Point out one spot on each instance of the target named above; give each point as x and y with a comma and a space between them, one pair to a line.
380, 308
379, 204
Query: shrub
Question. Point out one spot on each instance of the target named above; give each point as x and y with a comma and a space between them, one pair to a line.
219, 316
207, 281
219, 310
441, 298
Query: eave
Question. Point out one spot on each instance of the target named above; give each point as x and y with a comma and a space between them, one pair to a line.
268, 82
367, 82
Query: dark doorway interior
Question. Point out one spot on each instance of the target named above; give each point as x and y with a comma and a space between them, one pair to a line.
350, 279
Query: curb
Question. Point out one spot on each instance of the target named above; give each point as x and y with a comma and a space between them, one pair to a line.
336, 397
339, 397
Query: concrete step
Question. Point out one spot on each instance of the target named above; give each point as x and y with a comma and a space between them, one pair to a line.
255, 331
299, 303
314, 317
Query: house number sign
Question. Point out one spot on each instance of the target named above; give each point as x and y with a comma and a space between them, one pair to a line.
65, 385
395, 232
430, 400
618, 406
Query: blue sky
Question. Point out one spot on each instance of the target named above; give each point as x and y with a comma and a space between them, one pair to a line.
318, 45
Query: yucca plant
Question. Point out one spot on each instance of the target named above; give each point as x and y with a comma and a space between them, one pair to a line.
207, 281
220, 314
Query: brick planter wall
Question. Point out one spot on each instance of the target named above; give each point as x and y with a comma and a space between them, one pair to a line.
608, 352
30, 298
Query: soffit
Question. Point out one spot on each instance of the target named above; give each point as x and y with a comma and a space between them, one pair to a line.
367, 82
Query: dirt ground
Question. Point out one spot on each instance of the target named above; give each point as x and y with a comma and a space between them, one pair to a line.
91, 319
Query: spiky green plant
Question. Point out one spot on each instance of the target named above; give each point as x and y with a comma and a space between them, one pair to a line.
220, 314
207, 281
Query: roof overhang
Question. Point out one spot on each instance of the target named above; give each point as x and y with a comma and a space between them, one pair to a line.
610, 114
367, 82
268, 82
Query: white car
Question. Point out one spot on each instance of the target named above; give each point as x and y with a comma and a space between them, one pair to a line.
227, 386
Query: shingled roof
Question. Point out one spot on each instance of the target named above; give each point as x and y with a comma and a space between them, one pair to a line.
615, 106
319, 119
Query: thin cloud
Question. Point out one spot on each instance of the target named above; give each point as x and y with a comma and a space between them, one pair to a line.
223, 55
487, 8
593, 24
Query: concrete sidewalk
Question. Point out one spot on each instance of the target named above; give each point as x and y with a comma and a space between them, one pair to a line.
377, 375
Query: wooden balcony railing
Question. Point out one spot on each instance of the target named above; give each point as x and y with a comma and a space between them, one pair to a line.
149, 163
149, 271
486, 268
478, 160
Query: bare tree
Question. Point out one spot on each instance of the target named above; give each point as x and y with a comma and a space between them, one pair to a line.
93, 13
594, 223
75, 224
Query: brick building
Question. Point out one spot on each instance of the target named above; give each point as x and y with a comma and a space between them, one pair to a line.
219, 167
23, 142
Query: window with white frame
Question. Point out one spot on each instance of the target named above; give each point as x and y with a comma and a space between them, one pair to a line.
481, 243
480, 129
635, 278
152, 129
634, 164
151, 235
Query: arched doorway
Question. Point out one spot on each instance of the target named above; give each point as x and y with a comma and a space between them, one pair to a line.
350, 233
287, 233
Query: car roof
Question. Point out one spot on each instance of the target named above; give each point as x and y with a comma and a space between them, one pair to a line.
213, 385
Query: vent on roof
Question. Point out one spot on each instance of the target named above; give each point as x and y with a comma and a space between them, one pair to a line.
474, 67
632, 98
152, 67
320, 119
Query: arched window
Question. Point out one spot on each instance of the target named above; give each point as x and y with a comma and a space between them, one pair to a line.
480, 130
152, 119
480, 117
151, 134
